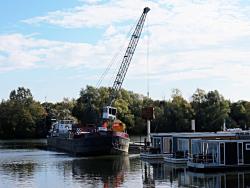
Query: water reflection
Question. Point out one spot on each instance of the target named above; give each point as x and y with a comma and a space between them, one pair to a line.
108, 171
234, 179
19, 170
28, 166
165, 175
160, 174
23, 144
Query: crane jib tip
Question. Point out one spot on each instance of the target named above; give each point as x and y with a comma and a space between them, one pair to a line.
146, 10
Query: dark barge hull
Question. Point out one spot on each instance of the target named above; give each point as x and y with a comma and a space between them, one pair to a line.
91, 144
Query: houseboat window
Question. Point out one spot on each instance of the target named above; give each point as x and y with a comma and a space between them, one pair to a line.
222, 153
183, 144
247, 146
240, 153
196, 147
167, 145
211, 152
157, 142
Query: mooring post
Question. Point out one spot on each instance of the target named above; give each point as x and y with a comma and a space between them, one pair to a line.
148, 131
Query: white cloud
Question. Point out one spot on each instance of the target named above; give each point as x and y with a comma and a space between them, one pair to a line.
24, 52
90, 1
90, 15
189, 39
111, 30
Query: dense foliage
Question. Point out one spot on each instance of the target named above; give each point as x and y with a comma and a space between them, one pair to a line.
23, 117
209, 110
20, 115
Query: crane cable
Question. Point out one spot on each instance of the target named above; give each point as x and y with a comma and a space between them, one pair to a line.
147, 57
114, 60
112, 78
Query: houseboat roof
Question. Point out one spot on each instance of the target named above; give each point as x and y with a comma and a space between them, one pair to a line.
219, 140
194, 134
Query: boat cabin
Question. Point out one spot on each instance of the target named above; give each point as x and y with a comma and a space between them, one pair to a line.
160, 145
175, 147
109, 112
219, 154
182, 141
61, 127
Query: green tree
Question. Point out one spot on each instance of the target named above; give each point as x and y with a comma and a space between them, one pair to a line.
240, 114
178, 113
20, 115
87, 108
21, 95
210, 109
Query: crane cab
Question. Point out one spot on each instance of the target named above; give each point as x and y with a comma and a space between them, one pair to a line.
109, 112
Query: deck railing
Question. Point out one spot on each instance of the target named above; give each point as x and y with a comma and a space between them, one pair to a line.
202, 158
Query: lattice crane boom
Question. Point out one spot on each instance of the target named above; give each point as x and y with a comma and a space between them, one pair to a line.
109, 112
128, 56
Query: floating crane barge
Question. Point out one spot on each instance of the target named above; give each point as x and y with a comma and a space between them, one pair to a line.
102, 140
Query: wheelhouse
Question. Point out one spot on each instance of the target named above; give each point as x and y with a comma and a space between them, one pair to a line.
109, 112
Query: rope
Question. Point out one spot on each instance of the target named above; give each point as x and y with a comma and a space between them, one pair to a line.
147, 60
114, 60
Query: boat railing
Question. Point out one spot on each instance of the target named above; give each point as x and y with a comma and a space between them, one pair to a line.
202, 158
66, 121
169, 155
180, 154
151, 150
136, 143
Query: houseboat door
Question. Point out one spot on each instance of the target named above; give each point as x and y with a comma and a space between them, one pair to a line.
222, 153
240, 152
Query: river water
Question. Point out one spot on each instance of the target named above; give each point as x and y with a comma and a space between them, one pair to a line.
28, 164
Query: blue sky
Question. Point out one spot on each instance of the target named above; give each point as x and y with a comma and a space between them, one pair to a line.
57, 47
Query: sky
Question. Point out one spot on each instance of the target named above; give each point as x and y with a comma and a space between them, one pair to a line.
58, 47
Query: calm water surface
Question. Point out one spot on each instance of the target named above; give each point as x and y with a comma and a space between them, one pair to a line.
27, 164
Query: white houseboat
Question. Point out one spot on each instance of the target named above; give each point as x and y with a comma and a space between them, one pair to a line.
175, 147
181, 144
210, 154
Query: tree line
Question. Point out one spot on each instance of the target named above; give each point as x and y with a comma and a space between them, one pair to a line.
23, 117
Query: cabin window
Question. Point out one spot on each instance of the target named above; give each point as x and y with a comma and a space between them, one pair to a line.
240, 153
247, 146
167, 145
105, 110
196, 147
183, 144
113, 111
157, 142
222, 153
